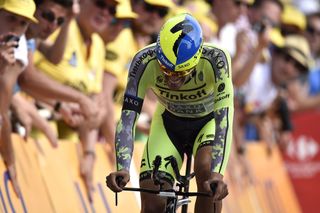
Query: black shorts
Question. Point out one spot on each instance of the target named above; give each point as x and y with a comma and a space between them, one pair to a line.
174, 136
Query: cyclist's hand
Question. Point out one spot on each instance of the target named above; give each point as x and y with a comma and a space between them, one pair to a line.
217, 188
117, 180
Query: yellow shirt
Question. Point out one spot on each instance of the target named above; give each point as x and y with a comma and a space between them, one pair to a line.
77, 69
119, 54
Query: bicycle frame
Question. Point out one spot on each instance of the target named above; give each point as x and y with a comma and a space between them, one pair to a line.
172, 195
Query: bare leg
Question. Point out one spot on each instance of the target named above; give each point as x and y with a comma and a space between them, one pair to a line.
152, 203
202, 170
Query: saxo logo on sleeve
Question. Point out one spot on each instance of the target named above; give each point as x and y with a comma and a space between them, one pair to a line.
132, 103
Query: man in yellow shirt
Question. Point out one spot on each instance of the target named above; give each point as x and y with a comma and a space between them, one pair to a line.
82, 68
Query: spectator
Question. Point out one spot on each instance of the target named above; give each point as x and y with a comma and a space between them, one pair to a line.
82, 67
279, 84
15, 17
251, 45
39, 85
226, 21
290, 66
313, 36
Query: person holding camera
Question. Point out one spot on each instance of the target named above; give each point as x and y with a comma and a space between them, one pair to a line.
15, 17
250, 67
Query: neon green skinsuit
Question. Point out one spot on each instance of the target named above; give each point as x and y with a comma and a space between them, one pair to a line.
200, 113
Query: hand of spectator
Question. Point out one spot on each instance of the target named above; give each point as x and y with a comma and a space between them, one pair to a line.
95, 121
6, 52
89, 109
13, 178
264, 38
71, 114
75, 8
73, 11
284, 139
29, 117
243, 43
86, 172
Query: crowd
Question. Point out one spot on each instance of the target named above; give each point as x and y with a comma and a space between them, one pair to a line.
64, 67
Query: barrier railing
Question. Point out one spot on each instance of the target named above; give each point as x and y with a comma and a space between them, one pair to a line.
50, 182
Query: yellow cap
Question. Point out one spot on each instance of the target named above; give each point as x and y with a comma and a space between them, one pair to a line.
124, 10
198, 7
25, 8
292, 16
298, 48
276, 37
161, 3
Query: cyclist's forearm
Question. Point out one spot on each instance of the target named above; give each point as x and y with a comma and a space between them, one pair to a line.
223, 139
124, 139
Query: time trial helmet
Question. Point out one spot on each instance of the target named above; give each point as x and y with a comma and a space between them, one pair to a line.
179, 44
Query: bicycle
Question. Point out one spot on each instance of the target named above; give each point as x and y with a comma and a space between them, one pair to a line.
175, 198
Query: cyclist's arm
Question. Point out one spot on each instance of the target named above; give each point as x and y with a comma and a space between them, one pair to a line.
137, 85
223, 109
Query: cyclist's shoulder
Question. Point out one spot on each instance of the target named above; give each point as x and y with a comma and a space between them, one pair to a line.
146, 53
143, 61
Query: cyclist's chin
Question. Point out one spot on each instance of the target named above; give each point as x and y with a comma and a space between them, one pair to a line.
175, 83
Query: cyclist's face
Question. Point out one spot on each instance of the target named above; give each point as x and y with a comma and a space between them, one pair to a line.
175, 80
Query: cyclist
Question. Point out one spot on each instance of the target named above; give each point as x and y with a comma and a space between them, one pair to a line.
194, 115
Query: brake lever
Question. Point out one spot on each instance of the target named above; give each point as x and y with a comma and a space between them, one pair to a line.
213, 187
118, 180
155, 173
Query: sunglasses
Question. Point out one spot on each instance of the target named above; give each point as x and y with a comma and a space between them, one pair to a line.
178, 74
104, 5
51, 17
241, 3
162, 11
123, 22
313, 31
